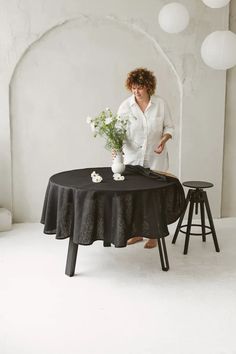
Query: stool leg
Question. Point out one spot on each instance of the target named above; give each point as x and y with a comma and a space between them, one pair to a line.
203, 221
190, 216
181, 218
196, 208
163, 258
211, 222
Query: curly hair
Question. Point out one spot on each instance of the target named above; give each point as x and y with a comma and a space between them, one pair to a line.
142, 77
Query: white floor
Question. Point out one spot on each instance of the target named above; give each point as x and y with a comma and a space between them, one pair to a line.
120, 301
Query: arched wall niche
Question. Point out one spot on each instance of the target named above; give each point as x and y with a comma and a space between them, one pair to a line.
74, 70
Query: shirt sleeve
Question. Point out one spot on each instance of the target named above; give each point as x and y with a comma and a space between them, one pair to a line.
168, 122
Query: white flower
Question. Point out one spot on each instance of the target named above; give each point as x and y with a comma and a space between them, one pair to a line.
116, 175
89, 120
92, 125
97, 179
93, 174
123, 118
118, 125
108, 120
111, 127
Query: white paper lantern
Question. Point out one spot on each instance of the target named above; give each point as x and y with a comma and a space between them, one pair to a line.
216, 4
219, 50
173, 17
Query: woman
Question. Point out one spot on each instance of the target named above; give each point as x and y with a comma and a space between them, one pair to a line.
149, 129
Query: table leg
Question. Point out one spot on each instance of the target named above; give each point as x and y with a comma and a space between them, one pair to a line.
71, 258
163, 253
161, 241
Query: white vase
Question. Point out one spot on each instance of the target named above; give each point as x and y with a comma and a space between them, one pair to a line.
118, 165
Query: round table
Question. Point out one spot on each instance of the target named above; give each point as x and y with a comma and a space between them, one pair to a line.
112, 211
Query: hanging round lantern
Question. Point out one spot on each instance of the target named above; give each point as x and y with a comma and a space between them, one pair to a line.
173, 17
219, 50
216, 4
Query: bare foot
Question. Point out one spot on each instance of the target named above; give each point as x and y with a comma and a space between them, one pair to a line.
133, 240
151, 243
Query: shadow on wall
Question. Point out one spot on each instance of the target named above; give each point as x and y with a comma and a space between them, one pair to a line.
74, 70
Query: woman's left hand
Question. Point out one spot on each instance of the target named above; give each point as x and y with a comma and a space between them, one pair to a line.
160, 146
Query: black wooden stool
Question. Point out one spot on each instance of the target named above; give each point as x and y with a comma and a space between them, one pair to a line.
197, 196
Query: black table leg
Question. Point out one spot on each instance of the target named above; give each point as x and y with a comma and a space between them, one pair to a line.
163, 254
71, 258
161, 241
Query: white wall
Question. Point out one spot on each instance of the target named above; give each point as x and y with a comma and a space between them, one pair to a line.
229, 173
74, 70
35, 100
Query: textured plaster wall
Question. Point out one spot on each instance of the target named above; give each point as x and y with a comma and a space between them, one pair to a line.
229, 173
75, 69
199, 113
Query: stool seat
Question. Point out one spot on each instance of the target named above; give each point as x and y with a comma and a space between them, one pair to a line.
196, 197
198, 184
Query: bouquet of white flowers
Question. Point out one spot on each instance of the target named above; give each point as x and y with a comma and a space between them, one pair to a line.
112, 127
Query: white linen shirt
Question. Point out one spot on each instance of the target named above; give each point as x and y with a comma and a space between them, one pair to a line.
144, 132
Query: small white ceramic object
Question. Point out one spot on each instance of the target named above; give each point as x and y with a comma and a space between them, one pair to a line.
97, 179
118, 177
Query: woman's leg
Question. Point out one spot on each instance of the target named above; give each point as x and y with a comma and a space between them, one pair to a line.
151, 243
133, 240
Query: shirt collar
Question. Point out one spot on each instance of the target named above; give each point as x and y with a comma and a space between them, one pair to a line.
133, 101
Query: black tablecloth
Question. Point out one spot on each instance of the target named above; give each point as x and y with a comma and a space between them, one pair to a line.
113, 211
